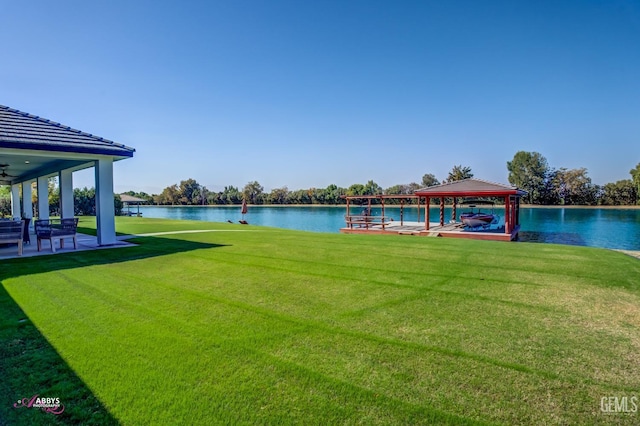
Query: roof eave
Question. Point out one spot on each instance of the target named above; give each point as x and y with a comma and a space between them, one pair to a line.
115, 151
498, 193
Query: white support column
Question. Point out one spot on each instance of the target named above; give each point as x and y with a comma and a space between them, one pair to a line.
27, 205
65, 179
105, 211
43, 197
15, 201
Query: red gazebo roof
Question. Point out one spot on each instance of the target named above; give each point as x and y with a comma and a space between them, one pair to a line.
469, 187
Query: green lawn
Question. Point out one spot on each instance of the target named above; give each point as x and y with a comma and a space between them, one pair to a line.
258, 325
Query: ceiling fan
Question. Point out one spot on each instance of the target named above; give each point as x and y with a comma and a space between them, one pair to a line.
4, 173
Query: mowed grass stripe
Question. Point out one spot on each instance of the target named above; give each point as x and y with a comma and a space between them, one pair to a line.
596, 339
272, 314
135, 319
141, 321
486, 264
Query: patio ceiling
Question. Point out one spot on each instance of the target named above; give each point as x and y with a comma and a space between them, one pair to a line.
24, 167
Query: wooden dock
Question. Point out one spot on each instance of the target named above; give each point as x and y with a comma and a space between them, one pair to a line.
448, 230
471, 190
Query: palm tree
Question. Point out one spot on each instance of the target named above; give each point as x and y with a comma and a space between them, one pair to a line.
459, 173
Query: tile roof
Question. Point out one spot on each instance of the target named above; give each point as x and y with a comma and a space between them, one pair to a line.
467, 186
21, 130
126, 198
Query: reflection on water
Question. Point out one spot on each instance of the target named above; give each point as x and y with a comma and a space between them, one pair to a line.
551, 237
596, 227
608, 228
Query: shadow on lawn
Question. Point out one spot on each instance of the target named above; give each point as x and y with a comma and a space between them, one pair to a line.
147, 247
30, 366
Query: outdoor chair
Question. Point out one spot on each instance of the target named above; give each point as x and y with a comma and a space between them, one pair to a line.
26, 239
11, 233
56, 230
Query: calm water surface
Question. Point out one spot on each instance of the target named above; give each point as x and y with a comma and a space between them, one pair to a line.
608, 228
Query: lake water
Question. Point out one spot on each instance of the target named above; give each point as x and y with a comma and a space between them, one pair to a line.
608, 228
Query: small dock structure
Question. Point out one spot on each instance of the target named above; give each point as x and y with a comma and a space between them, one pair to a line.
128, 201
366, 223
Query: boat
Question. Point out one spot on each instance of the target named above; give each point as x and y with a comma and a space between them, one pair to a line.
478, 219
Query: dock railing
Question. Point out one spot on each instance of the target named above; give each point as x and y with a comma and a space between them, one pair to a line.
366, 221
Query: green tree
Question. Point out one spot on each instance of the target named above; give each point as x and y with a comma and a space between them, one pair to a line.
356, 189
430, 180
459, 173
252, 192
621, 193
574, 187
170, 195
635, 175
5, 201
117, 204
190, 192
372, 188
230, 195
54, 196
405, 188
549, 194
316, 195
529, 171
300, 196
84, 201
279, 196
333, 194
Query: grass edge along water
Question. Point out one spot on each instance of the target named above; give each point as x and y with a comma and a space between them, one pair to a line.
615, 228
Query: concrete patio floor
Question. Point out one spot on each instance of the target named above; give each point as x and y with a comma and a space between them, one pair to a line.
85, 242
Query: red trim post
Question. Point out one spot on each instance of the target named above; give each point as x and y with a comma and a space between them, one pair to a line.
347, 216
453, 210
441, 211
507, 215
426, 214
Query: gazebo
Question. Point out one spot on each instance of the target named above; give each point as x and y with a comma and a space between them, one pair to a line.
130, 200
367, 223
477, 188
33, 149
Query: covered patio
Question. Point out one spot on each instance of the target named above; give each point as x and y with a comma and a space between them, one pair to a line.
34, 149
85, 242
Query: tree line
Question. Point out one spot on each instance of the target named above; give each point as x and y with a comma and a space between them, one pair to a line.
546, 185
529, 171
190, 192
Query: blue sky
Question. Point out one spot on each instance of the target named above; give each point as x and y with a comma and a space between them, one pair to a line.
309, 93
